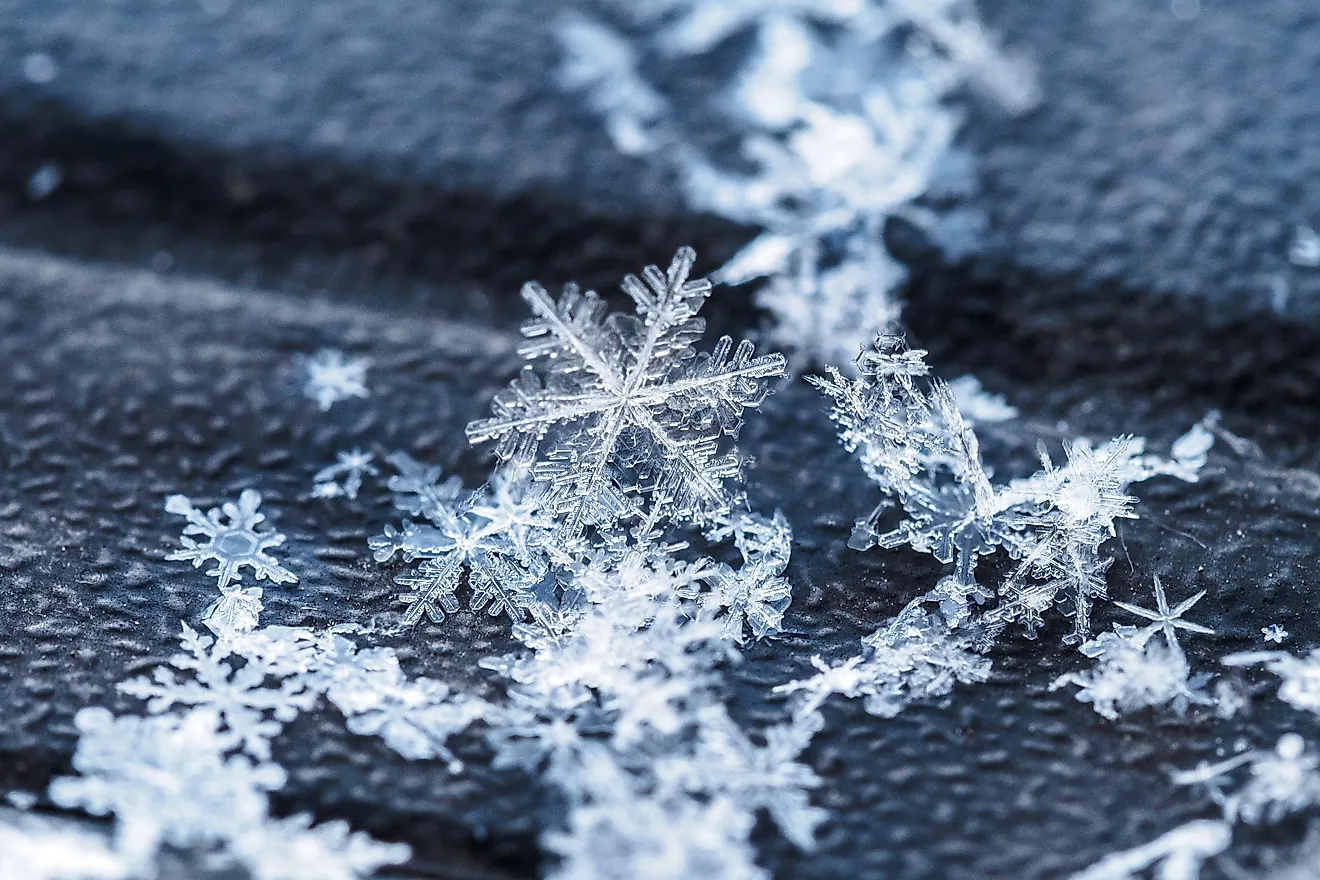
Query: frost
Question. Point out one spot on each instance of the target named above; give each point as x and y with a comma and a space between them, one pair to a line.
843, 115
351, 466
332, 378
459, 539
914, 656
1274, 633
1134, 672
915, 444
623, 408
232, 544
1301, 675
1177, 855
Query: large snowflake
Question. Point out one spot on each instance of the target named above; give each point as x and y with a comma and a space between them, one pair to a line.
623, 407
232, 544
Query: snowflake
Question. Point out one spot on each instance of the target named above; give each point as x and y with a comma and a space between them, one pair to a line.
165, 778
753, 595
765, 777
458, 539
624, 407
172, 779
1301, 675
231, 545
294, 849
240, 697
1135, 672
1177, 855
351, 465
1274, 633
37, 848
236, 611
332, 378
914, 656
1282, 782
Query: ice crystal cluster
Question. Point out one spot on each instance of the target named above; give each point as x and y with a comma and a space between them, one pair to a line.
344, 477
622, 436
914, 443
843, 117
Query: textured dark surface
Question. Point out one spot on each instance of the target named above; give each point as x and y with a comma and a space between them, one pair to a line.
1169, 157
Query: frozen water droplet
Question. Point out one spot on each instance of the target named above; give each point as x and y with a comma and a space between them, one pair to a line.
44, 181
39, 68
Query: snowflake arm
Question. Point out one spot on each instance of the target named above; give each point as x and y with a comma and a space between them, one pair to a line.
232, 545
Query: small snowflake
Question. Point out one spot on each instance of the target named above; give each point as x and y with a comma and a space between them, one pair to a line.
1274, 633
232, 544
458, 539
332, 378
351, 465
914, 656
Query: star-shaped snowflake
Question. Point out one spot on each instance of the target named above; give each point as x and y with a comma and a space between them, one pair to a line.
623, 406
332, 378
232, 544
1165, 619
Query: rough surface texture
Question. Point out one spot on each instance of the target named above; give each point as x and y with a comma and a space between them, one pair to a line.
405, 172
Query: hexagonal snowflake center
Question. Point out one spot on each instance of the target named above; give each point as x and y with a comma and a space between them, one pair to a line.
236, 545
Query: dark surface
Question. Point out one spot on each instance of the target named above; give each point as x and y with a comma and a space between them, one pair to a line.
460, 174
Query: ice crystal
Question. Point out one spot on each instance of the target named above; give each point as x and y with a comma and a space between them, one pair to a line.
844, 117
351, 466
331, 378
1274, 633
915, 444
914, 656
459, 539
1301, 675
1281, 782
1135, 672
249, 708
232, 544
754, 595
1177, 855
623, 408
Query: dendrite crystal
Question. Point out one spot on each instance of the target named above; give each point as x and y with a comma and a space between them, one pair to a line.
623, 409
